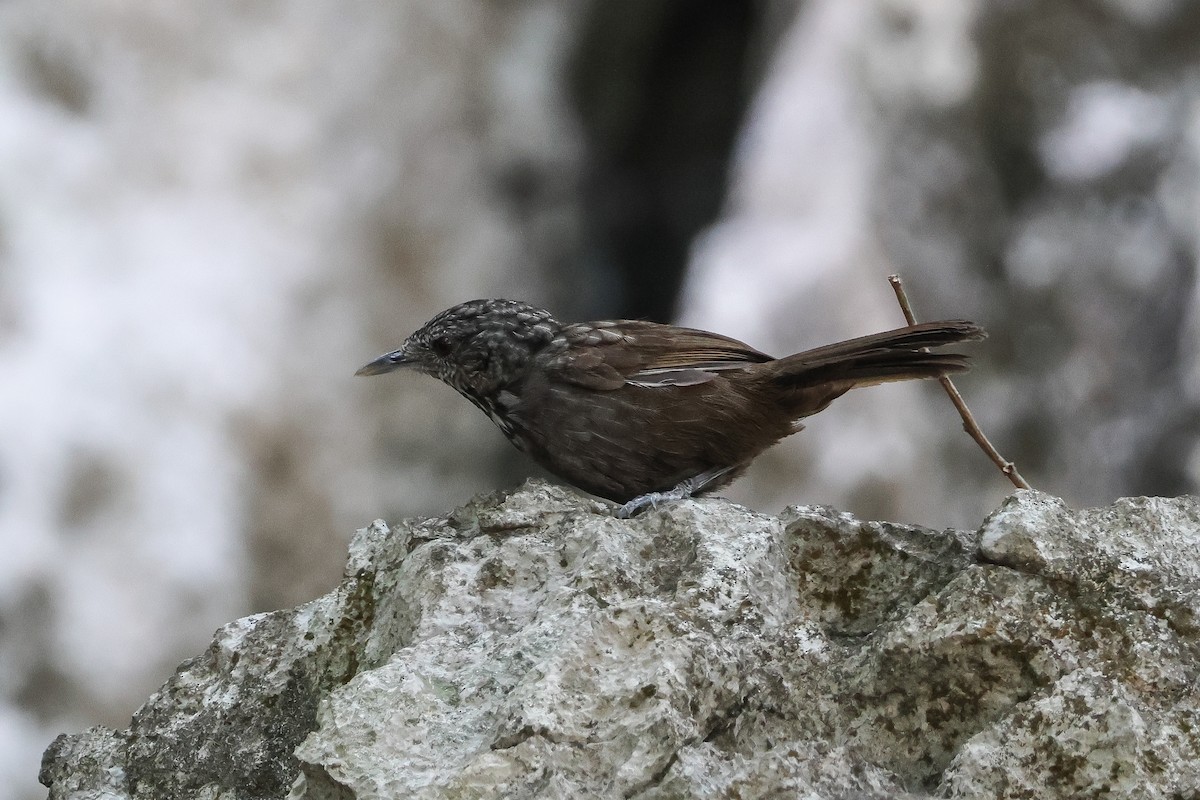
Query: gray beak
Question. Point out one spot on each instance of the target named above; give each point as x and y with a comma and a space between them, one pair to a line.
385, 363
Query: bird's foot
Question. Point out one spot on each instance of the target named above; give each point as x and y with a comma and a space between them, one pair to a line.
682, 490
651, 500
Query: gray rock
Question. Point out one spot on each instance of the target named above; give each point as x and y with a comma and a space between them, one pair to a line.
531, 645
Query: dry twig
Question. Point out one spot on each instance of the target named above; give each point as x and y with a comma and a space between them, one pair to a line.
969, 424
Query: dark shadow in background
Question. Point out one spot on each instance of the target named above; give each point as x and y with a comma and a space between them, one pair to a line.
661, 89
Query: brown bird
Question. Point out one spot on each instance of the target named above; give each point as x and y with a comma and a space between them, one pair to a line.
639, 412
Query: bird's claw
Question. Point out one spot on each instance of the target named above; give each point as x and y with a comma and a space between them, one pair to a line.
681, 491
653, 499
637, 504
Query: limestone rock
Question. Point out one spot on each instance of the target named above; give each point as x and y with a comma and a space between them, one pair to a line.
531, 645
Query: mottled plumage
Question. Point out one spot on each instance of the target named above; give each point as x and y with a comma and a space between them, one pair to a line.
637, 411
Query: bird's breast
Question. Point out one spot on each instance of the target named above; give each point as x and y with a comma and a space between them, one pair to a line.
498, 406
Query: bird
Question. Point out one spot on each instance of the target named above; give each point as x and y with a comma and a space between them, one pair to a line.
641, 413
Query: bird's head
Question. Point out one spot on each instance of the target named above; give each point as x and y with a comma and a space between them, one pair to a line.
476, 347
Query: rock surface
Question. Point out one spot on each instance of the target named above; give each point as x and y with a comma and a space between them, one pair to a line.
531, 645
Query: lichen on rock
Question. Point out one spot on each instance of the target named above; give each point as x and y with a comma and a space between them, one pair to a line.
529, 644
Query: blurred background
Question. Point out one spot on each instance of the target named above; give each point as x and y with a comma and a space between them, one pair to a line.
211, 215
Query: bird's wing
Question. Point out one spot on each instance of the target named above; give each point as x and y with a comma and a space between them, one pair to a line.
608, 355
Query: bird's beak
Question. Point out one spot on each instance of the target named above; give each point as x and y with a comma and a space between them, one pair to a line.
385, 363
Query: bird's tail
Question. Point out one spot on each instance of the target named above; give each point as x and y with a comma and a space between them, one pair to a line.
822, 374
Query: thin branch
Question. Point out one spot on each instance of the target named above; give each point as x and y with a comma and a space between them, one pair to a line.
969, 424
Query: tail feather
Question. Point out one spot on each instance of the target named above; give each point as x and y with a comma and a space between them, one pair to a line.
895, 355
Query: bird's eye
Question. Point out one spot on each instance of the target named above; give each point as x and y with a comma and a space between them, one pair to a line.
440, 346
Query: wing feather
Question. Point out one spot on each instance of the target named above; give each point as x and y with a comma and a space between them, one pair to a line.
606, 356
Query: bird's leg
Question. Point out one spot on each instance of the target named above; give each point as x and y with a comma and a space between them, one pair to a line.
684, 489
